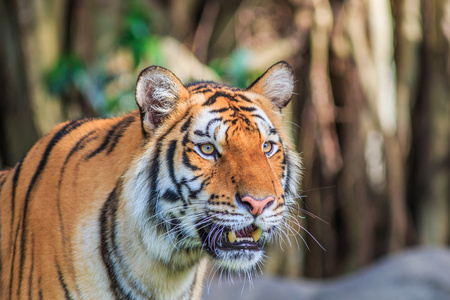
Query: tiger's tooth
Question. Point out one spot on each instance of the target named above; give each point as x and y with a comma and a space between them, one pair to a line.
256, 234
231, 236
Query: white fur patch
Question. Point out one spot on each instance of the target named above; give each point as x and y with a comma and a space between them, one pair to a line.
157, 91
279, 85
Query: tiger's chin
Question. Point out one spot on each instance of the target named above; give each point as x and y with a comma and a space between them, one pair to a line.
235, 250
242, 260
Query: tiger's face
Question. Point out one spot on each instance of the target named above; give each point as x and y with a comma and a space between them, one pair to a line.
238, 157
222, 167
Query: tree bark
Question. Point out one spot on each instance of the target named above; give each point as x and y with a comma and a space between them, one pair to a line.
17, 129
431, 169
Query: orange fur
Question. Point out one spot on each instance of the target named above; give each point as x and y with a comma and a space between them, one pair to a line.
76, 193
56, 203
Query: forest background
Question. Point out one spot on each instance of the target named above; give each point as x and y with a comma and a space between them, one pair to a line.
370, 114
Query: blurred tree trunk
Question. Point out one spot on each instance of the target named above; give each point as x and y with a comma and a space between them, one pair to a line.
431, 169
17, 128
41, 29
380, 197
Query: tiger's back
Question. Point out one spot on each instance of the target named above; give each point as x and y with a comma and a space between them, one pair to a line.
133, 207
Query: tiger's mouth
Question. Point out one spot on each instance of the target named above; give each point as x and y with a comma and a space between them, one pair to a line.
246, 238
227, 239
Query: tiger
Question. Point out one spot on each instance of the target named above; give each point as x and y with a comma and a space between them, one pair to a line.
141, 206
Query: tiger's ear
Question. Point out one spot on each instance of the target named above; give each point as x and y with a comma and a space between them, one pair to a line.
276, 84
157, 92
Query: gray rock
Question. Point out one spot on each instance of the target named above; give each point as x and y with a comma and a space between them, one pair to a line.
422, 274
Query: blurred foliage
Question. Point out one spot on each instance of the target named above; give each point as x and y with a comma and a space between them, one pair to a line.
100, 85
137, 35
234, 69
93, 81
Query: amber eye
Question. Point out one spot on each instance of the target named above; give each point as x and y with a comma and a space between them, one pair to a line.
207, 149
267, 147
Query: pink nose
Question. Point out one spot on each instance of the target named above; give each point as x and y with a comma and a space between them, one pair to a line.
257, 206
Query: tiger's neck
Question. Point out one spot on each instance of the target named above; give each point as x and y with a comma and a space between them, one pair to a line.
140, 259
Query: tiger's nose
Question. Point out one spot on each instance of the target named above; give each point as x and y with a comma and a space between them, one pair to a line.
256, 206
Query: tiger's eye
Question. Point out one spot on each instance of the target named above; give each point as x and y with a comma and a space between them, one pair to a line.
267, 146
207, 149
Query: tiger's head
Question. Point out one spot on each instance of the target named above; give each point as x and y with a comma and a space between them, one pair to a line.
217, 173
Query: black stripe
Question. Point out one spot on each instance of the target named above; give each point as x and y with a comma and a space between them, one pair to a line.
13, 202
170, 161
171, 196
245, 98
187, 124
187, 162
186, 140
124, 124
196, 86
155, 168
263, 119
56, 138
107, 235
214, 97
41, 296
220, 110
79, 145
2, 182
283, 162
210, 123
153, 179
30, 283
62, 282
234, 100
200, 133
280, 204
82, 142
201, 85
144, 132
215, 120
200, 91
113, 136
287, 163
192, 179
193, 194
117, 260
11, 276
278, 150
249, 109
226, 135
176, 227
13, 192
